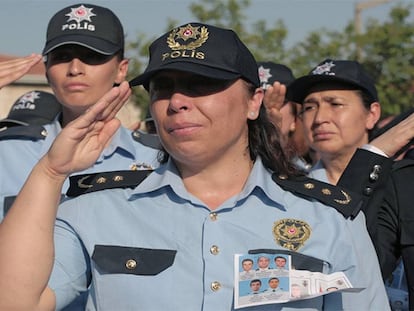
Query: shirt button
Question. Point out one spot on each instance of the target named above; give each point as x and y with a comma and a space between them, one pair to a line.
214, 249
368, 190
131, 264
215, 286
375, 172
213, 216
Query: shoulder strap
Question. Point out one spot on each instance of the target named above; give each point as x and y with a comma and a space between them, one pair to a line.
345, 202
86, 183
29, 132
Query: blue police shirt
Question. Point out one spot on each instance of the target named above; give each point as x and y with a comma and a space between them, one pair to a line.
18, 157
157, 247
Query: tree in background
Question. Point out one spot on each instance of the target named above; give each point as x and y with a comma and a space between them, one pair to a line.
385, 49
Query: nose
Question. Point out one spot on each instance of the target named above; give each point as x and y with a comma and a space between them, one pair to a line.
179, 102
76, 67
322, 114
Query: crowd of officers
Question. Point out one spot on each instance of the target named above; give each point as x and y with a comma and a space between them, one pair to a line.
235, 156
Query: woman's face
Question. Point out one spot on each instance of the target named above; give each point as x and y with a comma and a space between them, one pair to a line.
80, 76
201, 119
336, 121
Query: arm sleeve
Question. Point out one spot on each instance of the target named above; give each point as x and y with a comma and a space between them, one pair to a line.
71, 271
367, 174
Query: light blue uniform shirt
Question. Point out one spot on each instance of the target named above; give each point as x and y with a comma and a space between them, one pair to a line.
159, 217
19, 156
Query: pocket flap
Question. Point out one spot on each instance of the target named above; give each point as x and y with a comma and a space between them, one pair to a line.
132, 260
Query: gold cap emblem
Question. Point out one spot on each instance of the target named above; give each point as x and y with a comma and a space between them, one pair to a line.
199, 34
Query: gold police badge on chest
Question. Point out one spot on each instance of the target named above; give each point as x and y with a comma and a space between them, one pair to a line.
291, 233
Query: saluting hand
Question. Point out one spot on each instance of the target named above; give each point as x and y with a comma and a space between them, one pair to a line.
80, 143
273, 100
14, 69
396, 137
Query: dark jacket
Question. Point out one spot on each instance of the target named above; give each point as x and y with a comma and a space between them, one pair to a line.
395, 232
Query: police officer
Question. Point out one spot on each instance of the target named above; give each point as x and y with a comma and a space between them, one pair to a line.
220, 192
82, 63
386, 186
275, 80
365, 168
28, 114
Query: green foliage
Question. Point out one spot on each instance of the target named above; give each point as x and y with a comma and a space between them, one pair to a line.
385, 49
388, 53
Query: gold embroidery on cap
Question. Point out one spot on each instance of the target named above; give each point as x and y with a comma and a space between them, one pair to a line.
347, 198
185, 33
291, 233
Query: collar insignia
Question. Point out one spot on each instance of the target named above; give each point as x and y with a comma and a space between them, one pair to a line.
291, 233
194, 35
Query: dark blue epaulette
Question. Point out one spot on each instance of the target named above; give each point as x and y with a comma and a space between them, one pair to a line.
23, 132
86, 183
347, 203
149, 140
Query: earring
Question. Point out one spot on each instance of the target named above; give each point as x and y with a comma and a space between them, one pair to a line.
252, 113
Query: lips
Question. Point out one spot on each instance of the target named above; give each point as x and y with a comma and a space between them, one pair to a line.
76, 86
185, 128
322, 135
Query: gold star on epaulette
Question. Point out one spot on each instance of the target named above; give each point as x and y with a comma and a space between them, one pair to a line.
85, 183
345, 202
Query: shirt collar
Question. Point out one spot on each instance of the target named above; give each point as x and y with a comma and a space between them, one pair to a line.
259, 183
318, 172
122, 140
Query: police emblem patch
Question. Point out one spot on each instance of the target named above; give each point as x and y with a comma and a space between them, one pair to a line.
324, 69
291, 233
81, 13
264, 75
194, 35
27, 101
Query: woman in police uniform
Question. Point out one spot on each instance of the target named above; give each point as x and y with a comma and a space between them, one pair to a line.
171, 242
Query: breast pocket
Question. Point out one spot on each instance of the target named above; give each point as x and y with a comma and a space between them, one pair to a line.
110, 259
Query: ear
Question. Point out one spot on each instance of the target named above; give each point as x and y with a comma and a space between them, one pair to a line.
374, 115
254, 104
122, 71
